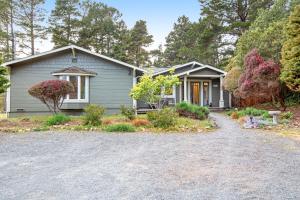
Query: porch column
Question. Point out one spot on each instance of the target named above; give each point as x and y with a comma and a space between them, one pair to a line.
134, 102
185, 88
221, 101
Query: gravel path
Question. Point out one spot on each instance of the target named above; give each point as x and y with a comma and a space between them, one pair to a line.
230, 163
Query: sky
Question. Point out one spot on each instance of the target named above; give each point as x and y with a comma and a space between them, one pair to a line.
160, 15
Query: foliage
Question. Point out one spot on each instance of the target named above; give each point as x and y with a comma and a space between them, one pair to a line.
30, 20
140, 122
101, 21
164, 118
287, 115
64, 22
4, 82
120, 128
260, 78
52, 93
128, 112
139, 39
149, 88
93, 115
291, 52
192, 110
264, 34
231, 79
57, 119
234, 115
253, 112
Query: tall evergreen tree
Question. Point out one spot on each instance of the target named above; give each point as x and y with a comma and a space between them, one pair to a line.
30, 18
64, 22
291, 52
179, 42
139, 39
4, 30
101, 27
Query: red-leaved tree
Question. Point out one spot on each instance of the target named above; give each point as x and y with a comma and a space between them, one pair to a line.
52, 93
260, 78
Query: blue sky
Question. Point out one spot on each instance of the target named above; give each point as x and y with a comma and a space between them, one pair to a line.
159, 14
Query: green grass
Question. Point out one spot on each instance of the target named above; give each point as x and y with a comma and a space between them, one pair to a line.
58, 119
120, 128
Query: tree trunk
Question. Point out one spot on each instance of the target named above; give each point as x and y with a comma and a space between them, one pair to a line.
31, 28
12, 33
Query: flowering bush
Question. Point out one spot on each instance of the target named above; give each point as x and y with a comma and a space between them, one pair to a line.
52, 93
260, 78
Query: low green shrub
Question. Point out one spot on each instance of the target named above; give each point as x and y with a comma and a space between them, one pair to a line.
164, 118
190, 110
120, 128
128, 112
287, 115
93, 115
57, 119
253, 112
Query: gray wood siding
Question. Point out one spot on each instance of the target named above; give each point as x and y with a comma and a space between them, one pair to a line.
110, 88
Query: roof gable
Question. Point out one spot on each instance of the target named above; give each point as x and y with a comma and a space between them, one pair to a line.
190, 67
71, 47
74, 70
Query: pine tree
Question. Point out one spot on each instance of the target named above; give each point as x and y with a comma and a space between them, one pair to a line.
30, 18
101, 27
179, 42
291, 52
64, 22
139, 39
4, 82
7, 23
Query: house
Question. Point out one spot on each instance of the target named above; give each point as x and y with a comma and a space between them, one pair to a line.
103, 80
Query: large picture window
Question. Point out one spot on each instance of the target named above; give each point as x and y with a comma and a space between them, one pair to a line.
81, 88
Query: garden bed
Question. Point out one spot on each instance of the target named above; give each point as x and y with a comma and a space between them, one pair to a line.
140, 124
288, 124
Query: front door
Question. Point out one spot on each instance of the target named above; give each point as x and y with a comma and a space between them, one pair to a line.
200, 92
195, 93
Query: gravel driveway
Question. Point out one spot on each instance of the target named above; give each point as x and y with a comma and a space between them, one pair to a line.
227, 164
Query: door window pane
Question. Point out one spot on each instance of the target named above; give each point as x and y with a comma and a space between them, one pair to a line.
73, 80
82, 87
205, 93
195, 92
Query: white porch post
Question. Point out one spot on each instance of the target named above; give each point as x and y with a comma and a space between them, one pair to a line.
134, 102
185, 88
180, 92
221, 102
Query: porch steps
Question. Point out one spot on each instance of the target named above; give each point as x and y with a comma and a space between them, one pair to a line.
216, 109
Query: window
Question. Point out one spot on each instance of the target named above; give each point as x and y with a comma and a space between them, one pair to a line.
170, 93
81, 88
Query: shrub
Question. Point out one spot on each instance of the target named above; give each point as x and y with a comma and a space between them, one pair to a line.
93, 115
193, 111
164, 118
57, 119
234, 115
128, 112
52, 93
287, 115
253, 112
140, 122
120, 128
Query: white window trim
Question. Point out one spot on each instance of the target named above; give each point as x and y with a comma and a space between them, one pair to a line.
87, 86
